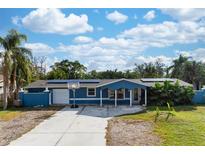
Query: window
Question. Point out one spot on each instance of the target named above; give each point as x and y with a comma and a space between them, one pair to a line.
111, 94
91, 92
120, 94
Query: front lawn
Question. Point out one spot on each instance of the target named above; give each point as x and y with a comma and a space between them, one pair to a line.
187, 127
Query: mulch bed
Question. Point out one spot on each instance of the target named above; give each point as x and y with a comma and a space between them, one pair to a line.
13, 129
124, 132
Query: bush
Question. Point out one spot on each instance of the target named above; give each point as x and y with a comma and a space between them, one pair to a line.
160, 94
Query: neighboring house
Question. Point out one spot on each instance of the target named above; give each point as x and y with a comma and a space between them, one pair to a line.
1, 87
99, 92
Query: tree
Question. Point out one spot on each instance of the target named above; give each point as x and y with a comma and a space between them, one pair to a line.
67, 70
178, 66
150, 70
12, 56
169, 92
39, 67
194, 73
188, 70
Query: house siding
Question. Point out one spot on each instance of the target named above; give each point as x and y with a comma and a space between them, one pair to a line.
37, 96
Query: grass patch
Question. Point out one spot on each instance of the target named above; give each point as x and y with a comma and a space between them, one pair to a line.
186, 128
9, 115
13, 112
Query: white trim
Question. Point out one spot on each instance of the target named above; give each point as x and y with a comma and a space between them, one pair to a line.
101, 98
98, 99
130, 97
49, 98
124, 93
94, 92
139, 94
145, 97
111, 82
115, 98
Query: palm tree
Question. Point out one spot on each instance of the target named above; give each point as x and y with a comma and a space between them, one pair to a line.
178, 66
13, 56
6, 63
21, 69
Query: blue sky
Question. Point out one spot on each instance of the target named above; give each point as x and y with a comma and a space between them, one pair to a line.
109, 38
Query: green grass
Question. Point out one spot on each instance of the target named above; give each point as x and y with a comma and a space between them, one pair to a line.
186, 128
13, 112
9, 114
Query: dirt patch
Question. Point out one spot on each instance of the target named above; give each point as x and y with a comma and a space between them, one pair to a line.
13, 129
123, 132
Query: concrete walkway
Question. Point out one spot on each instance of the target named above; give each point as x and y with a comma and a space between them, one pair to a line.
84, 126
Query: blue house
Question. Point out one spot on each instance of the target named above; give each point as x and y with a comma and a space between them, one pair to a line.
99, 92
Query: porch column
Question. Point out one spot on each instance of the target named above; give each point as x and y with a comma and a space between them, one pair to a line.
101, 97
145, 98
139, 95
130, 97
115, 98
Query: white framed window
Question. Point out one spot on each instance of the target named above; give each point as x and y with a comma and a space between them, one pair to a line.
91, 92
111, 94
120, 94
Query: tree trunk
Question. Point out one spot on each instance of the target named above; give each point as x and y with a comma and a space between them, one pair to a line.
5, 86
13, 82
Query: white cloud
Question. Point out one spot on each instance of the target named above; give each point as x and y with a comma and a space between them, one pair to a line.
165, 34
196, 54
151, 59
50, 61
125, 49
188, 14
39, 48
16, 20
150, 15
82, 39
55, 21
117, 17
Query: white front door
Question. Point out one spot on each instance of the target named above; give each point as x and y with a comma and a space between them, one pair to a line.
60, 96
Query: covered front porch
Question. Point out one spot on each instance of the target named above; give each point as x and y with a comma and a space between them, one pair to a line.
123, 92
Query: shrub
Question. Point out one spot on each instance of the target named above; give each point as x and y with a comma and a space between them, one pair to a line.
160, 94
170, 112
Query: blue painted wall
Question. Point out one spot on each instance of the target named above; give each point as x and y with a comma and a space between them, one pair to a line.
36, 96
82, 93
34, 99
199, 97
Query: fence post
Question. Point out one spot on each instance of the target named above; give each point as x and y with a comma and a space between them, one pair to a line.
47, 92
21, 97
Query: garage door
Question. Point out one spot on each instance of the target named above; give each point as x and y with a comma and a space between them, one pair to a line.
60, 96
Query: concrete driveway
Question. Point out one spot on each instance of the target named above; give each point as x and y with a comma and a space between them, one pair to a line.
84, 126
